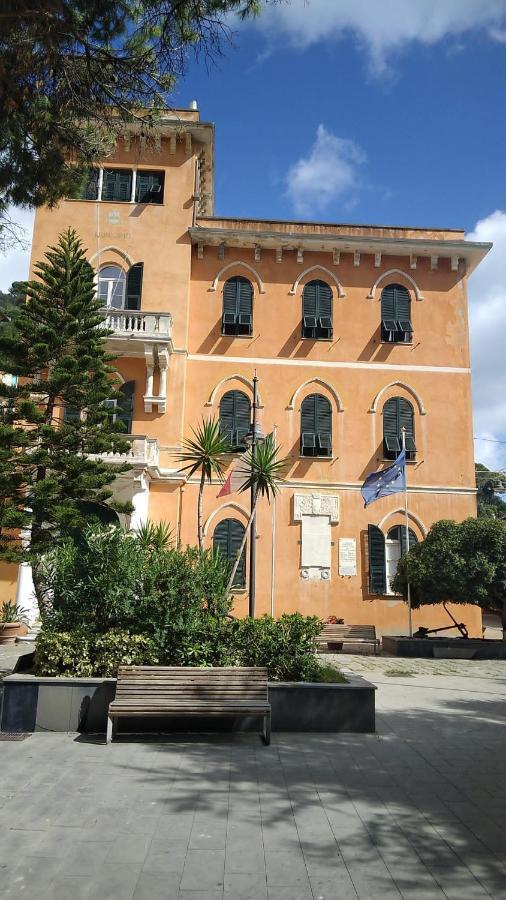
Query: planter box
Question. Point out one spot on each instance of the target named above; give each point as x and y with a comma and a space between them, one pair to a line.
33, 703
443, 648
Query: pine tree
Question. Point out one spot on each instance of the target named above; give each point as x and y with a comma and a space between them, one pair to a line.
55, 345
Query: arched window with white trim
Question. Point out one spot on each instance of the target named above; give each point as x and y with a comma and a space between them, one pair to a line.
317, 311
396, 325
227, 539
316, 426
384, 555
398, 414
237, 307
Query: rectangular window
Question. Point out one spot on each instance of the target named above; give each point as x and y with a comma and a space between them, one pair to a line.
117, 185
149, 187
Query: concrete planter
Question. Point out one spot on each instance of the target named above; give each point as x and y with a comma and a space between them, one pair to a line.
443, 648
33, 703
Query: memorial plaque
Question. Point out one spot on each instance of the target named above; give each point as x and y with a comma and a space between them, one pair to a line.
347, 556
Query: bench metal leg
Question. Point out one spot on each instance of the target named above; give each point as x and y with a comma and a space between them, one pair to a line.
267, 729
110, 725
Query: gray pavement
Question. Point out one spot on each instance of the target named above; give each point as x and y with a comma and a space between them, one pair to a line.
416, 811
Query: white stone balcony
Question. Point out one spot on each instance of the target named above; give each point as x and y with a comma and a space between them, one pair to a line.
132, 325
144, 452
145, 335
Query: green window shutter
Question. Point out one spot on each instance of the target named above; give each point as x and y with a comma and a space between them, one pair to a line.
317, 310
377, 565
125, 406
308, 414
134, 286
117, 185
316, 426
406, 418
237, 306
395, 314
391, 435
149, 187
235, 413
227, 538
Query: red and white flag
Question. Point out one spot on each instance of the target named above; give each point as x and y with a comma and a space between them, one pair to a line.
237, 477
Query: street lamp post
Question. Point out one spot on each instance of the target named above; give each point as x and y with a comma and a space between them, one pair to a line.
253, 529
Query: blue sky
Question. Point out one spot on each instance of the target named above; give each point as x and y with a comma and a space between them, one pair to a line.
359, 111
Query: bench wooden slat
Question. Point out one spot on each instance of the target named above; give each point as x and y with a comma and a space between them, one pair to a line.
191, 691
353, 636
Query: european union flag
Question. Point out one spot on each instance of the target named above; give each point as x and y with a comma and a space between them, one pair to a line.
387, 481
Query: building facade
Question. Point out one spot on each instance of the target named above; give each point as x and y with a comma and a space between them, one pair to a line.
354, 332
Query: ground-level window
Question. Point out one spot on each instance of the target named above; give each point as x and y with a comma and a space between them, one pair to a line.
227, 538
384, 556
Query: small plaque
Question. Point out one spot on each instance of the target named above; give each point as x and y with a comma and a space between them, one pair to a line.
347, 556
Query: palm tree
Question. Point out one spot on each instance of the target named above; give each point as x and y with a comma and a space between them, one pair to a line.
265, 476
205, 453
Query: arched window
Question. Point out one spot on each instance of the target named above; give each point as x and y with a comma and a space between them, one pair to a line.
396, 315
227, 538
384, 556
317, 311
112, 286
316, 426
235, 414
237, 306
398, 414
121, 290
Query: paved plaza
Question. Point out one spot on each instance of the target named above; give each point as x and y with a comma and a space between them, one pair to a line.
417, 810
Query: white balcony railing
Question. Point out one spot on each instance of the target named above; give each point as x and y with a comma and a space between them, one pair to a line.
132, 323
144, 451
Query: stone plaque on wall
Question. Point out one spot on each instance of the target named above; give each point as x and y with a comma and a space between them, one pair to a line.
347, 556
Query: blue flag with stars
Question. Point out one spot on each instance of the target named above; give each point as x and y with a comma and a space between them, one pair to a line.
387, 481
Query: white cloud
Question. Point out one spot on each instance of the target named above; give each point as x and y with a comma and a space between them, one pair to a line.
14, 264
487, 308
381, 27
328, 173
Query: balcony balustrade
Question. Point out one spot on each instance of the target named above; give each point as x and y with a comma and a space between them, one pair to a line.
144, 452
131, 323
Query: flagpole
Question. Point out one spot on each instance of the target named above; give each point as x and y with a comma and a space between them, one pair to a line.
410, 621
253, 528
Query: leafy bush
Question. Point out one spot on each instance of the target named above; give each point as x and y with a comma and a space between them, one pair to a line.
81, 654
286, 646
112, 578
64, 653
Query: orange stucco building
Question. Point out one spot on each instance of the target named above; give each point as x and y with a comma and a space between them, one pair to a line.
353, 331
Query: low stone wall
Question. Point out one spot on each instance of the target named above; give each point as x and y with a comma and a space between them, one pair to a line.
443, 648
33, 703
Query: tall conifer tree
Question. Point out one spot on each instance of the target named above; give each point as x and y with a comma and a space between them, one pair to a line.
58, 414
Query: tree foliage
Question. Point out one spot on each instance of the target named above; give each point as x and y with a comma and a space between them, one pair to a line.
74, 71
491, 489
55, 346
457, 562
205, 453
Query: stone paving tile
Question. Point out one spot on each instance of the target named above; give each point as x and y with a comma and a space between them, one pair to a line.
157, 886
203, 870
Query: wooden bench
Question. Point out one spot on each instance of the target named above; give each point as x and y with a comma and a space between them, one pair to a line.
184, 691
359, 638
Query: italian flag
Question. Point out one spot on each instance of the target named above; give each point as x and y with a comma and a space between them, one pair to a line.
236, 479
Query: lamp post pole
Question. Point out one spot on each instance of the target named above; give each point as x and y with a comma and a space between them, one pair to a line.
253, 529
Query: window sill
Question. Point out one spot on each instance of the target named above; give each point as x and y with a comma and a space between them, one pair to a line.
397, 343
234, 336
123, 202
318, 340
409, 462
329, 458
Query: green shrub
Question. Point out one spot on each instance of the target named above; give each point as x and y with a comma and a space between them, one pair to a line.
112, 578
64, 653
82, 654
117, 648
286, 646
